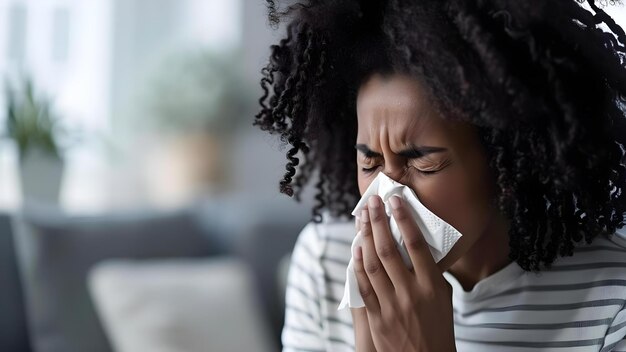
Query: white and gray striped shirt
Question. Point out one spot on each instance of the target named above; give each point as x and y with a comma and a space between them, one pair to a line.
578, 305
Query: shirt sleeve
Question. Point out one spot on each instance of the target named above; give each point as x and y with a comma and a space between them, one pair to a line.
303, 320
615, 339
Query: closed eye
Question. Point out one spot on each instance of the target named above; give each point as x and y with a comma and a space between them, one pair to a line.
369, 170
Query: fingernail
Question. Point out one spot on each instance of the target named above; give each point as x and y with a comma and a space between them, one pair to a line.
372, 201
395, 201
365, 216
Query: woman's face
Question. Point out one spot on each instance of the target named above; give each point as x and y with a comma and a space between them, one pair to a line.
400, 134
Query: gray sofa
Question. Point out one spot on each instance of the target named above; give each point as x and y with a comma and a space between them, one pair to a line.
45, 257
13, 330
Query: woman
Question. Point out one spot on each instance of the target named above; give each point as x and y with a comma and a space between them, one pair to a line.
506, 118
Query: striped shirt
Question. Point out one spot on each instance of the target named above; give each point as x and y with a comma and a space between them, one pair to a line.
578, 305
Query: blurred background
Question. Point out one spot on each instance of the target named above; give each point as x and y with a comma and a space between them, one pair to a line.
139, 207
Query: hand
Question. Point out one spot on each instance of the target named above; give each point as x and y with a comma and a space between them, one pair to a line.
406, 310
362, 333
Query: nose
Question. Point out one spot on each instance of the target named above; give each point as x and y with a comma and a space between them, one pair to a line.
395, 166
395, 173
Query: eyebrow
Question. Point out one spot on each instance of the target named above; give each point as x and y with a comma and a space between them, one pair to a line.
412, 152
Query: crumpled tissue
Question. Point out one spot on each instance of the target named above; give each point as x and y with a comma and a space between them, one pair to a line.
439, 235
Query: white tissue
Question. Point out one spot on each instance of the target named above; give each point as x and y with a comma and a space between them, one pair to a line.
439, 235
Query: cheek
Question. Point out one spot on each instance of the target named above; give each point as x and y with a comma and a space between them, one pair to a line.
364, 181
460, 198
362, 184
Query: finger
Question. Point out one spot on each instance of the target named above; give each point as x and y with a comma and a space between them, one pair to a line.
423, 263
359, 317
373, 267
365, 287
385, 244
362, 331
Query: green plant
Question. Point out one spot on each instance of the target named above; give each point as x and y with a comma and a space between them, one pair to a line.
190, 91
29, 121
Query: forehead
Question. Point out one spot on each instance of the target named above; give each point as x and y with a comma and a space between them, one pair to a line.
397, 104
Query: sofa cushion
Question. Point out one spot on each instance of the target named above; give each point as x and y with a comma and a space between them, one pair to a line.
178, 305
56, 253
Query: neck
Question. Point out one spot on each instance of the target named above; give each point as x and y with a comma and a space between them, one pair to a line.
475, 265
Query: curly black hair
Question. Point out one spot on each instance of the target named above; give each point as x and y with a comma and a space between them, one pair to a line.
544, 82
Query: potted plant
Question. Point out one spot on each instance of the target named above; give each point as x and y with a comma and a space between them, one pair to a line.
32, 126
193, 102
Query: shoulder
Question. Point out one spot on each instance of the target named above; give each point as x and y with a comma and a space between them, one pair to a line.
594, 273
317, 237
603, 259
603, 248
614, 242
619, 238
